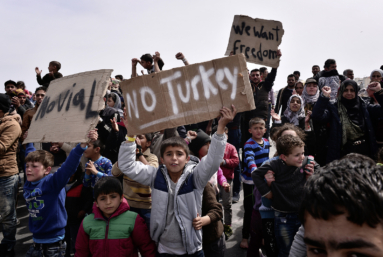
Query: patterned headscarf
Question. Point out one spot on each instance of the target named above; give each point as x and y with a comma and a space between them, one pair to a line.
309, 99
294, 117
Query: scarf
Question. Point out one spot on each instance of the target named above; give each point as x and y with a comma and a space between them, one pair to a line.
378, 70
294, 117
350, 114
309, 99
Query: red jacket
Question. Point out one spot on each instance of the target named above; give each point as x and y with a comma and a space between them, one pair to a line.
232, 161
120, 235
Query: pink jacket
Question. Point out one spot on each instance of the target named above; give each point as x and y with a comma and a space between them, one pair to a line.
232, 161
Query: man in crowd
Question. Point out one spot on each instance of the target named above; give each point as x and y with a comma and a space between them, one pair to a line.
10, 89
297, 75
10, 133
284, 94
330, 78
349, 74
315, 70
27, 119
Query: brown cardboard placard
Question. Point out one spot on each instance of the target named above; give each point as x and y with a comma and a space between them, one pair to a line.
70, 108
186, 95
257, 39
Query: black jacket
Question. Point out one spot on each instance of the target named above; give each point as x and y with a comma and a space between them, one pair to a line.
78, 198
46, 80
324, 111
282, 99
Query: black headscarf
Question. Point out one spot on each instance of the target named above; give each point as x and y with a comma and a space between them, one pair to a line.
353, 106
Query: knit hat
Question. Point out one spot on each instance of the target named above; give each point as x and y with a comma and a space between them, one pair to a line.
5, 103
197, 143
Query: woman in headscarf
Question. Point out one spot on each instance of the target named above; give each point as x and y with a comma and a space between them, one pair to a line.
351, 129
376, 76
114, 101
294, 113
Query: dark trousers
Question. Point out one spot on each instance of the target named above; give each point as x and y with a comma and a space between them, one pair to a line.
268, 235
256, 234
235, 139
216, 248
248, 203
267, 134
196, 254
47, 250
71, 231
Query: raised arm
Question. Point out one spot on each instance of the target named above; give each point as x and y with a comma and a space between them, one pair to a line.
134, 67
156, 58
180, 56
321, 112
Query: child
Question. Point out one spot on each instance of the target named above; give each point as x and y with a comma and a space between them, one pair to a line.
177, 188
286, 191
229, 163
44, 194
78, 203
98, 166
139, 196
256, 151
113, 230
53, 74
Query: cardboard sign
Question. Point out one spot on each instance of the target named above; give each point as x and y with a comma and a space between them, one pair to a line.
70, 108
186, 95
257, 39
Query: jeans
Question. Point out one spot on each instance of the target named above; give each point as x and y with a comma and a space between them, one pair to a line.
71, 231
235, 139
8, 194
226, 203
144, 213
196, 254
286, 226
216, 248
47, 250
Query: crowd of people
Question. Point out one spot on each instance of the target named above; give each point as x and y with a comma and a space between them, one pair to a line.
170, 192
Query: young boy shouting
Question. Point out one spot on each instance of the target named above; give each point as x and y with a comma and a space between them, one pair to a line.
256, 151
177, 188
290, 172
44, 194
113, 230
98, 166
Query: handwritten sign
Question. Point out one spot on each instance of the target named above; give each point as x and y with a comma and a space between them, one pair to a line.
70, 108
186, 95
257, 39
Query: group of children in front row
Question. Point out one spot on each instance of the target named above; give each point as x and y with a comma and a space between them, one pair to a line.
183, 202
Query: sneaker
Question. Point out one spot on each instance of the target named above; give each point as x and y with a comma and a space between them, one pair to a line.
235, 197
228, 231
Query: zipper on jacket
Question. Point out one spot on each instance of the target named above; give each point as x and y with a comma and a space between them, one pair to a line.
106, 237
185, 231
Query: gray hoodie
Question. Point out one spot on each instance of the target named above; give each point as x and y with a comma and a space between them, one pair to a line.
189, 189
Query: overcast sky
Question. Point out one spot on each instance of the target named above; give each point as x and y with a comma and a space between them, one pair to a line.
92, 35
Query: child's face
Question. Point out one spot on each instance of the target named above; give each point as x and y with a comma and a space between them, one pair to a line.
52, 67
144, 142
257, 131
109, 203
174, 159
91, 152
110, 102
36, 171
203, 151
296, 157
146, 65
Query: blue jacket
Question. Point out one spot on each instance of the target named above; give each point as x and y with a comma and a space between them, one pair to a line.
324, 111
46, 199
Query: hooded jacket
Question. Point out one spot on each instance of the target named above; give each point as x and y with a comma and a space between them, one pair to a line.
10, 133
188, 192
120, 235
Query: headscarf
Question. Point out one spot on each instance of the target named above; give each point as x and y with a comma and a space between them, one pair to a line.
310, 99
294, 117
117, 104
350, 113
378, 70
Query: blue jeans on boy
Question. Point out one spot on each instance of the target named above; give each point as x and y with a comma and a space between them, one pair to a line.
47, 250
196, 254
144, 213
235, 139
8, 193
286, 226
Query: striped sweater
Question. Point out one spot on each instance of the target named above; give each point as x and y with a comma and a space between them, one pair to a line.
255, 155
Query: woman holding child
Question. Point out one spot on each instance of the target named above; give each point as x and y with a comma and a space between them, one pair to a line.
350, 120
